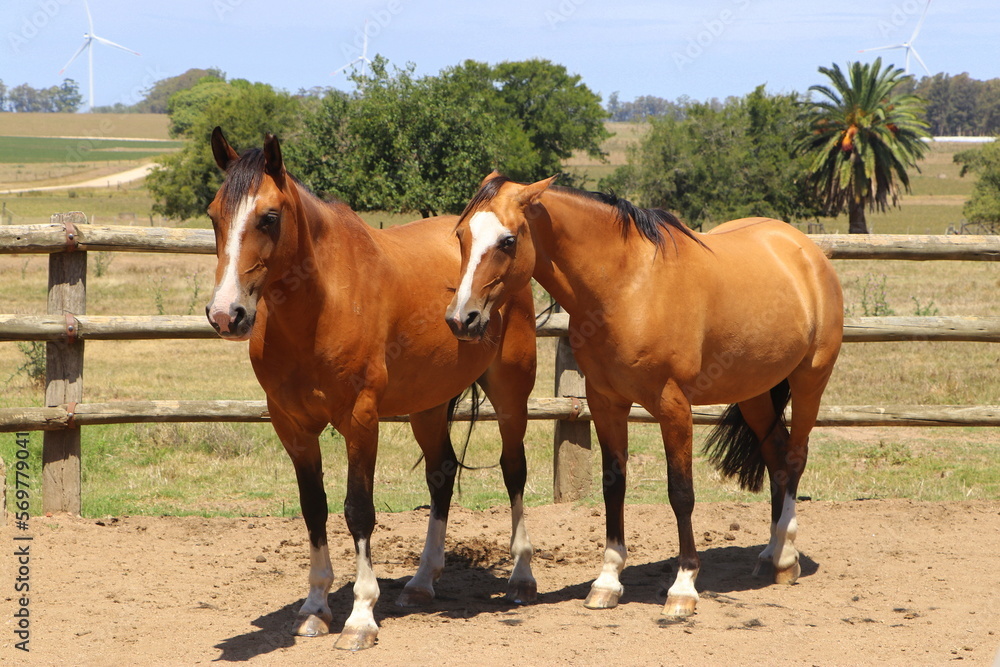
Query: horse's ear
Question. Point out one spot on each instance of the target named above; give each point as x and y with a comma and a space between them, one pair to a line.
493, 174
223, 152
272, 156
529, 194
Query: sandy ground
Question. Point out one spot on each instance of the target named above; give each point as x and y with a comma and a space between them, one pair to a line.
108, 181
884, 582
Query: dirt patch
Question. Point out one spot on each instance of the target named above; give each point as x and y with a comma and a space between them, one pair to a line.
886, 582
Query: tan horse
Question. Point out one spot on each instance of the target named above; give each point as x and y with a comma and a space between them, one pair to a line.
668, 318
344, 327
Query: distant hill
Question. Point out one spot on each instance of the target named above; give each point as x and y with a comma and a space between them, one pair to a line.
157, 97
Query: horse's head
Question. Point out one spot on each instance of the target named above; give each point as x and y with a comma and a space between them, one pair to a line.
247, 215
498, 256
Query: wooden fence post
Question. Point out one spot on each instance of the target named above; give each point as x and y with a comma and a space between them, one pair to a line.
572, 451
64, 371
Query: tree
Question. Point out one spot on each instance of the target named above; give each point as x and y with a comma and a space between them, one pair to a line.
66, 98
558, 113
862, 137
403, 143
720, 161
184, 183
23, 99
984, 204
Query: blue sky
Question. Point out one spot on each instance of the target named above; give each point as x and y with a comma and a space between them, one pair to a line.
703, 49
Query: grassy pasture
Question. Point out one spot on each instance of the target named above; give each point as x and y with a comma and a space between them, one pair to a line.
56, 149
241, 469
43, 149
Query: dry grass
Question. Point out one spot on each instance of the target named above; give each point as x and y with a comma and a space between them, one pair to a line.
104, 125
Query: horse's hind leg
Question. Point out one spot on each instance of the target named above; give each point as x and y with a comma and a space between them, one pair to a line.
430, 428
507, 383
314, 617
785, 454
759, 414
807, 390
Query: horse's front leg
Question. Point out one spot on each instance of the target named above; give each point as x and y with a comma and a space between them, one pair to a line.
508, 383
430, 428
676, 428
314, 617
611, 423
361, 435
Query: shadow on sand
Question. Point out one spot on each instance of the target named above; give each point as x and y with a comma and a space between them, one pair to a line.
467, 591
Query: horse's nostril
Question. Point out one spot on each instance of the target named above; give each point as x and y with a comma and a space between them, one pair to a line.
472, 317
239, 314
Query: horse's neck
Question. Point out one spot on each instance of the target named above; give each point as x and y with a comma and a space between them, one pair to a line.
332, 241
577, 254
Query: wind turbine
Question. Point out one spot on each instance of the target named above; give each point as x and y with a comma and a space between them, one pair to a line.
363, 58
88, 40
908, 45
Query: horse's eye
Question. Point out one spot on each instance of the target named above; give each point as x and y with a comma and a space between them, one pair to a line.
507, 242
268, 220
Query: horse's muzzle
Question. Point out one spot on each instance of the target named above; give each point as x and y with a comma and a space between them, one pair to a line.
470, 328
232, 324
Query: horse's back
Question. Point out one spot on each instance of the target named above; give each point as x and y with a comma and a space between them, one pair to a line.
751, 241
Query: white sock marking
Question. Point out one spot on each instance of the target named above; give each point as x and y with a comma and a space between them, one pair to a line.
432, 559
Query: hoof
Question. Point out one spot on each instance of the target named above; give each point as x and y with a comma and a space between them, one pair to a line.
601, 598
415, 597
678, 607
356, 639
312, 626
521, 592
789, 575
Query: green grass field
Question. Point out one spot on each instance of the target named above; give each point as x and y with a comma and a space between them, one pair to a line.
241, 469
53, 149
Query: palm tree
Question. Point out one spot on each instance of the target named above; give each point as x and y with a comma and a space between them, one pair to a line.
863, 135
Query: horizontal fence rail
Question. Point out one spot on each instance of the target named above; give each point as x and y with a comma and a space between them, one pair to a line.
141, 412
153, 327
67, 326
52, 237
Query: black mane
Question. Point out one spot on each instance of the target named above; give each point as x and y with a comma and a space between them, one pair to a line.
654, 224
245, 176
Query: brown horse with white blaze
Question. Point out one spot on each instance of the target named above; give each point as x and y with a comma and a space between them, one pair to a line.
749, 314
344, 328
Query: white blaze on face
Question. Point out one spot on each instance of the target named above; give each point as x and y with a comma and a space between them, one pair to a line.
486, 230
229, 288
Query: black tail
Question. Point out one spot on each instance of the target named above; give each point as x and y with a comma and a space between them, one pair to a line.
732, 446
473, 393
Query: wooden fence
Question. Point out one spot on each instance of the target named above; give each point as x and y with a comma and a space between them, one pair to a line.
66, 327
